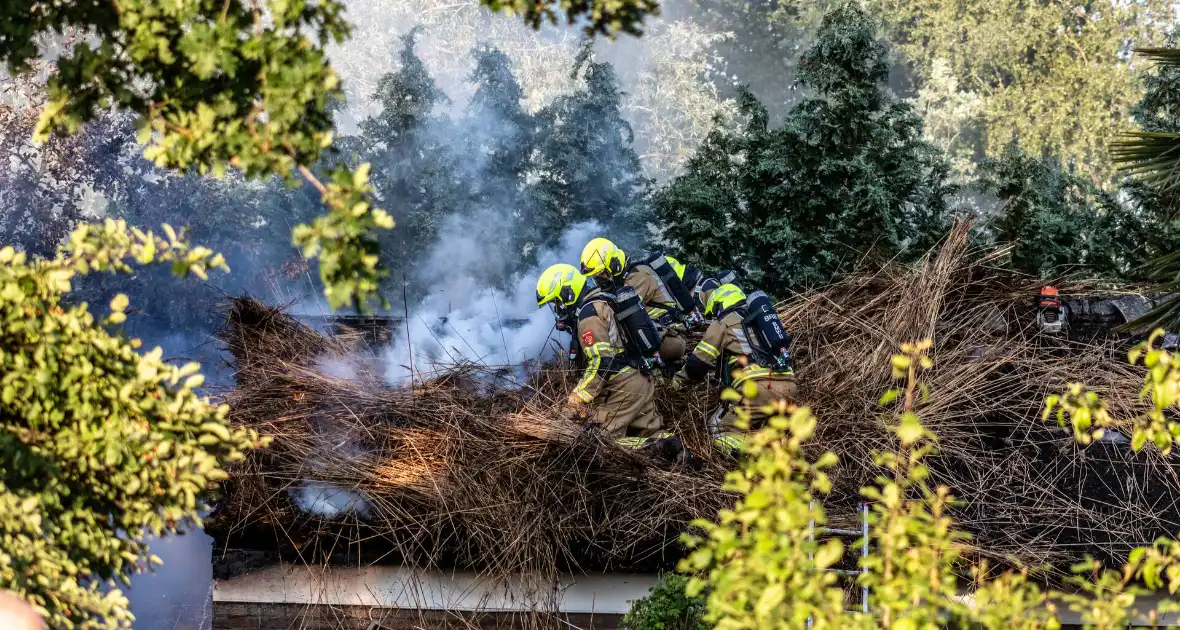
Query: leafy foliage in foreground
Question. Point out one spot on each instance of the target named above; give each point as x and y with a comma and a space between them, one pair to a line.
760, 566
100, 446
227, 84
666, 607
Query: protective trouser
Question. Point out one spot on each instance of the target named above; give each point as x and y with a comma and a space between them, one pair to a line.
771, 389
626, 402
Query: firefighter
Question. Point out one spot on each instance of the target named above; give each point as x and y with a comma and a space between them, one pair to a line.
609, 267
620, 392
743, 343
703, 286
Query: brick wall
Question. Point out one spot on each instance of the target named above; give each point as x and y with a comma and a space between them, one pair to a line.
254, 616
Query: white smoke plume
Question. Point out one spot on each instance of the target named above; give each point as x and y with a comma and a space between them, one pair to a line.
670, 98
329, 501
463, 319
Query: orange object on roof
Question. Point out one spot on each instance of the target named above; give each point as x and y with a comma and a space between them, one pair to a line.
1048, 290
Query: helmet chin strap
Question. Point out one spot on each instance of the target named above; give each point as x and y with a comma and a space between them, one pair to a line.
606, 281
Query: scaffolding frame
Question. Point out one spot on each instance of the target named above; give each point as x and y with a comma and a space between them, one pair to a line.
863, 534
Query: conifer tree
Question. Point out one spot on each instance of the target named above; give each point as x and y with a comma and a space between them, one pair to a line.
847, 173
585, 165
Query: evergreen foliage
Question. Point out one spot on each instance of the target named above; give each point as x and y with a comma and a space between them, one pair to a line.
1052, 76
524, 178
847, 173
585, 165
246, 85
1058, 222
101, 446
415, 164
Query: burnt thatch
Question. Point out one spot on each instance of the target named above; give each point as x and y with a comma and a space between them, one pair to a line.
467, 469
473, 470
1028, 491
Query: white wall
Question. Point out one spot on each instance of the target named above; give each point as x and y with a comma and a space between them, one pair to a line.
399, 587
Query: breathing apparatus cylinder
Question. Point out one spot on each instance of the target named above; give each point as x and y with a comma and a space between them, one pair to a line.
766, 330
639, 330
667, 274
727, 276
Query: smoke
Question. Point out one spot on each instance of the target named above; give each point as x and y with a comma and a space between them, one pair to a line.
329, 501
667, 75
466, 319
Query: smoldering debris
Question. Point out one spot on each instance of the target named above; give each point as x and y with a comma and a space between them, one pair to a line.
455, 472
443, 470
1027, 490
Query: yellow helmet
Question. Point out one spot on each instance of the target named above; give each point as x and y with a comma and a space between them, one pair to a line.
723, 297
560, 283
601, 256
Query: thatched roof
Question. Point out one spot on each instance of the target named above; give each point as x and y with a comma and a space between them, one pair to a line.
466, 469
470, 470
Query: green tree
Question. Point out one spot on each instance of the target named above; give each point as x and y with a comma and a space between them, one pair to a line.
498, 128
1051, 76
848, 170
44, 187
415, 164
102, 446
1057, 221
219, 84
585, 165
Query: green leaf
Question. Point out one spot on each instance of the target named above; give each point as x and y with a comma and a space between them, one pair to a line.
768, 602
119, 303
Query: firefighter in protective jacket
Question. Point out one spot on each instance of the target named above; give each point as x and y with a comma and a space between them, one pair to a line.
733, 345
608, 265
612, 390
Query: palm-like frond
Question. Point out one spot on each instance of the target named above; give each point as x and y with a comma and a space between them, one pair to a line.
1165, 271
1151, 156
1154, 157
1162, 56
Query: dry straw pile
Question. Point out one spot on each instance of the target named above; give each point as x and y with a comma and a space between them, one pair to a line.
459, 470
1028, 491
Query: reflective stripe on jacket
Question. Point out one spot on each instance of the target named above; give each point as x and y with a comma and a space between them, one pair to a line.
602, 345
726, 339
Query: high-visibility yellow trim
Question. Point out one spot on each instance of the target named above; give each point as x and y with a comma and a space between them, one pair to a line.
656, 312
728, 440
620, 373
588, 377
708, 349
756, 372
632, 442
596, 349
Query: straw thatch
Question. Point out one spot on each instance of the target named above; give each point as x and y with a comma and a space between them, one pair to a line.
470, 469
466, 469
1028, 491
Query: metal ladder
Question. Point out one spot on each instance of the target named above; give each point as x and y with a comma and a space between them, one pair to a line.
863, 533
